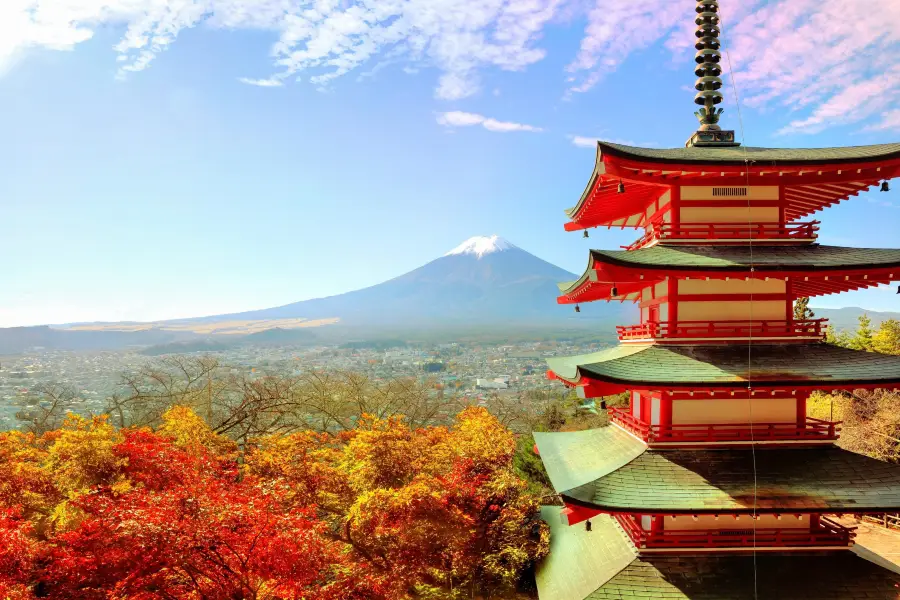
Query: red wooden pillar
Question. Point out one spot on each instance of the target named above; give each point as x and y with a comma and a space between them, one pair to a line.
801, 408
665, 414
789, 301
781, 203
676, 207
673, 302
646, 409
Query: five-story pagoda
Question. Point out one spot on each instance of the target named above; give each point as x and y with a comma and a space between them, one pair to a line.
714, 482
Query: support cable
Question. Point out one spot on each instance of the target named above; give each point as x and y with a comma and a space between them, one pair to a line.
747, 161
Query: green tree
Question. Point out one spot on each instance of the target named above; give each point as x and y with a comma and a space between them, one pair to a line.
887, 340
837, 337
802, 311
862, 339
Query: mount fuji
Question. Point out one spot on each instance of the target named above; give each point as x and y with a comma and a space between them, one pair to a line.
484, 285
486, 279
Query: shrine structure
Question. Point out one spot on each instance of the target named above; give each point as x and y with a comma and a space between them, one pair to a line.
713, 481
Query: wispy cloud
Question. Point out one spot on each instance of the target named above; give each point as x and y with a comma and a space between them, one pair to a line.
803, 56
328, 38
615, 30
270, 82
808, 55
584, 141
799, 55
464, 119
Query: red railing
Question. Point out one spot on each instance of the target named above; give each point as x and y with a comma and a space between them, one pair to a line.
826, 533
726, 232
807, 328
811, 429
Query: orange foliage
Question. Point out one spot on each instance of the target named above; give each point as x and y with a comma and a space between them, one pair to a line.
89, 512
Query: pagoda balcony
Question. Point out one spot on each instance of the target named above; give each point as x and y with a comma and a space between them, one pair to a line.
726, 233
811, 430
698, 331
826, 534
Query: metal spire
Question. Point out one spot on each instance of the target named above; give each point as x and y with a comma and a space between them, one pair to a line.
708, 82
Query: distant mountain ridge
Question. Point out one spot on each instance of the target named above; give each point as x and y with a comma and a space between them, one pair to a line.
486, 279
484, 283
848, 317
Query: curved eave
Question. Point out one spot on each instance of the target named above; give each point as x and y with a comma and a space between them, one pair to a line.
738, 156
590, 287
574, 458
743, 481
728, 368
813, 178
626, 270
738, 259
602, 188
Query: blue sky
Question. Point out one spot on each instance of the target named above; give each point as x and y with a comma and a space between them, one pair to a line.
173, 158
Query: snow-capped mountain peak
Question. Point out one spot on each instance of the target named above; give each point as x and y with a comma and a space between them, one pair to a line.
481, 245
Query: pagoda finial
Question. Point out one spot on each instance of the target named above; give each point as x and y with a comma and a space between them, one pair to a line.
708, 82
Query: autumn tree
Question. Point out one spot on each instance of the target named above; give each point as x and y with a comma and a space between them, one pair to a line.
438, 510
244, 406
46, 407
371, 507
179, 521
18, 555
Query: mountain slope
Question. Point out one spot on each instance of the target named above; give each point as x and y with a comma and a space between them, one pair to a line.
485, 279
848, 317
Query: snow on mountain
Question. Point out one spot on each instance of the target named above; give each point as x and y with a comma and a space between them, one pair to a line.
486, 280
481, 245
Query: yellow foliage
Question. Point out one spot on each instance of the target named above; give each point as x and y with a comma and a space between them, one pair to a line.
80, 454
23, 480
304, 466
381, 454
188, 430
480, 437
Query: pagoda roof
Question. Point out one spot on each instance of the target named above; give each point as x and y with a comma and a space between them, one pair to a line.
601, 565
758, 156
812, 178
633, 269
816, 365
785, 576
721, 480
741, 258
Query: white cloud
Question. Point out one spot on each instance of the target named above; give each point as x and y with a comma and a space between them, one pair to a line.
328, 38
270, 82
806, 56
616, 29
464, 119
889, 120
585, 141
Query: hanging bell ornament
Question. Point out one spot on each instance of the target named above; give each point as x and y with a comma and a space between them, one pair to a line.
577, 308
884, 186
586, 233
621, 187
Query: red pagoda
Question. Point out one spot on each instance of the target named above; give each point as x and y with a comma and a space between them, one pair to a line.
714, 482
